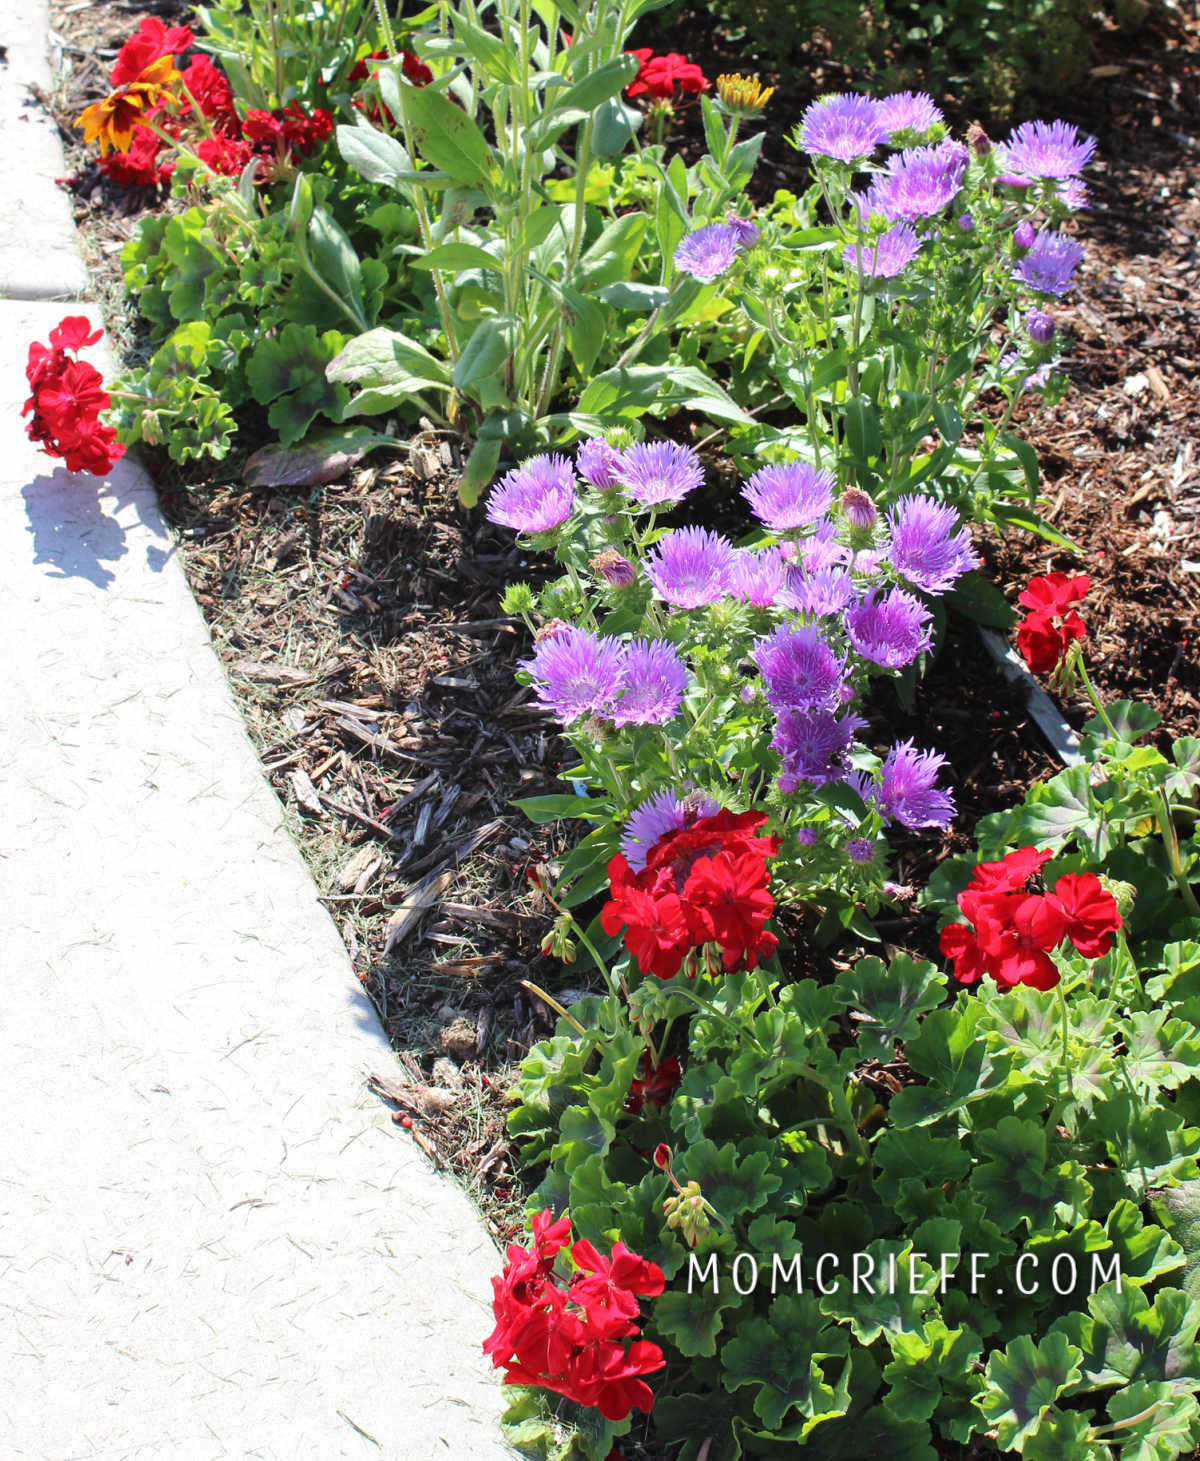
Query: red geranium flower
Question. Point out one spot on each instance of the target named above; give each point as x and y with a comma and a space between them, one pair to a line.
1042, 642
655, 1086
68, 397
151, 41
658, 76
1054, 593
1091, 913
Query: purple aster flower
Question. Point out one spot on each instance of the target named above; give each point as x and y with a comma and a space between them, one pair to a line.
859, 507
844, 126
690, 567
653, 680
866, 562
811, 744
708, 252
861, 850
799, 669
747, 231
655, 472
1050, 264
757, 578
920, 182
596, 461
806, 836
907, 111
1047, 150
887, 256
966, 223
930, 547
576, 673
1072, 193
906, 792
791, 496
821, 593
1038, 379
655, 817
1023, 235
890, 629
822, 549
1041, 327
535, 498
613, 568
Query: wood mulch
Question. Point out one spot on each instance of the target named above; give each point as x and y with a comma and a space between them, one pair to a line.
361, 628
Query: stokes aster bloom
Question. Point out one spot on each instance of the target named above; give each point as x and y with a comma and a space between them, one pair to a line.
597, 462
844, 126
690, 567
653, 679
1046, 150
709, 252
890, 630
703, 884
885, 257
819, 592
1049, 264
920, 182
799, 669
1016, 930
907, 111
576, 673
812, 745
662, 813
906, 791
536, 497
930, 547
657, 471
757, 578
790, 496
861, 850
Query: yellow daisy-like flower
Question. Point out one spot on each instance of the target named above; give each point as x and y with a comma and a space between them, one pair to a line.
112, 122
743, 96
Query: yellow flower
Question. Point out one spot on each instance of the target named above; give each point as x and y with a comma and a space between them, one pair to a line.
112, 122
743, 96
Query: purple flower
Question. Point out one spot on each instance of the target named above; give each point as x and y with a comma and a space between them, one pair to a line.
907, 111
653, 680
806, 836
966, 223
747, 231
861, 850
822, 549
596, 461
576, 673
1046, 150
535, 498
811, 745
930, 547
1041, 327
1050, 264
613, 568
690, 567
1072, 193
1023, 235
791, 496
887, 256
757, 578
799, 669
919, 182
844, 126
866, 561
859, 507
821, 593
658, 815
906, 792
708, 252
890, 630
658, 471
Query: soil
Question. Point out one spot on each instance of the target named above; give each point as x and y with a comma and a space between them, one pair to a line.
361, 628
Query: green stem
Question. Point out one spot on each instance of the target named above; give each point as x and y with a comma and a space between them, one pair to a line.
1065, 1031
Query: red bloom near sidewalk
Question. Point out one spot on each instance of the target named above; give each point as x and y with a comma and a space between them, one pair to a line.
68, 396
565, 1334
1016, 930
1042, 642
707, 883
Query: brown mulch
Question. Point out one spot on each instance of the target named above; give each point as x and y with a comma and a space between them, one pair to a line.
361, 627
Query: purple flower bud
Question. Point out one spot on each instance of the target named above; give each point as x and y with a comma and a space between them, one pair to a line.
1041, 327
861, 850
966, 222
806, 836
1024, 235
859, 508
613, 569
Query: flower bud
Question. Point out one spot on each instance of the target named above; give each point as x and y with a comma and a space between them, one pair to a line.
1123, 894
662, 1157
613, 568
859, 508
1024, 234
966, 223
743, 96
747, 231
1041, 327
978, 140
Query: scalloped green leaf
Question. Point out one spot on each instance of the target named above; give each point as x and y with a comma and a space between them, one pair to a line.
1022, 1382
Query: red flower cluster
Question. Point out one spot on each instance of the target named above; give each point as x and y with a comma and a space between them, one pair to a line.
565, 1335
707, 883
149, 43
655, 1086
287, 132
410, 64
68, 396
659, 76
1015, 929
1042, 642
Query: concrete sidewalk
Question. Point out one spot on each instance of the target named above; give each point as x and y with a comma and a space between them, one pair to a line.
213, 1242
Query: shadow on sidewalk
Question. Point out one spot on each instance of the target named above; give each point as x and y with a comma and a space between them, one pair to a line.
71, 518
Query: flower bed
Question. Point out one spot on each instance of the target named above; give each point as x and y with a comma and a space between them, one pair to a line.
731, 1105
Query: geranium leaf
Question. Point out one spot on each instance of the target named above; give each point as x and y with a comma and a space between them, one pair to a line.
888, 1000
1015, 1185
777, 1358
1155, 1421
1022, 1382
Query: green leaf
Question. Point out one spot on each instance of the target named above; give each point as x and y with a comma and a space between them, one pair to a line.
379, 157
1160, 1053
733, 1184
1182, 1207
335, 261
917, 1156
496, 58
1010, 514
777, 1358
692, 1321
889, 1000
552, 808
445, 136
390, 367
1154, 1421
581, 99
862, 429
1015, 1185
490, 345
480, 469
922, 1362
456, 256
1022, 1382
630, 391
1057, 810
1123, 1337
887, 1291
959, 1066
614, 124
978, 598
